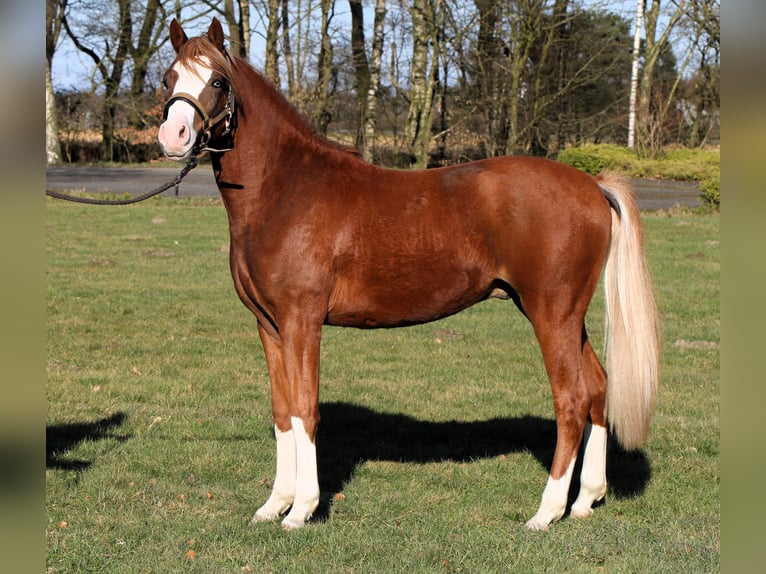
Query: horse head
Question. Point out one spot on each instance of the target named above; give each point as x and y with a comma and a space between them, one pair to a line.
199, 108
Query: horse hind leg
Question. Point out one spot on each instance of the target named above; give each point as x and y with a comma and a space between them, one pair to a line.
593, 474
561, 344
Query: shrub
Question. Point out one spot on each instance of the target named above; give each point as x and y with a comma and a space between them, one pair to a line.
711, 191
678, 163
594, 159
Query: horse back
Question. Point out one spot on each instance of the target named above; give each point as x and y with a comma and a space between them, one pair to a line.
414, 246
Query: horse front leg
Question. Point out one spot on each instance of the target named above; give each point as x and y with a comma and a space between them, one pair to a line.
295, 402
283, 489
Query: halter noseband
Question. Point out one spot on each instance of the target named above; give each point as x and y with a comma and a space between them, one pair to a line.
208, 123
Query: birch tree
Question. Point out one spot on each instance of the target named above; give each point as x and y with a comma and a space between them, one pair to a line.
54, 13
634, 73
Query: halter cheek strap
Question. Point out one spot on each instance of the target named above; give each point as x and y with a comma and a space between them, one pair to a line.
208, 123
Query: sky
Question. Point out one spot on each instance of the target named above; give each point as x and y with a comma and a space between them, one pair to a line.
71, 68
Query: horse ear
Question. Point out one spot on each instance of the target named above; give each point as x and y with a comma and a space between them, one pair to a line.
215, 34
177, 35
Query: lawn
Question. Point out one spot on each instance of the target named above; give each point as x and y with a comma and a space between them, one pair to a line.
435, 440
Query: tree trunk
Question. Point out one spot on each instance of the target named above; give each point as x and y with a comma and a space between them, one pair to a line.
287, 50
632, 111
112, 84
371, 109
272, 37
237, 22
52, 144
490, 74
361, 67
54, 12
647, 136
426, 29
244, 23
322, 115
146, 46
549, 73
525, 25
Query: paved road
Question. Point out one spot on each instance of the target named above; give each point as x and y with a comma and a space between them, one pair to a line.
651, 194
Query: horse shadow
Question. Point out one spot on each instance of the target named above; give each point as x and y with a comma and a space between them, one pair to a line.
62, 438
350, 435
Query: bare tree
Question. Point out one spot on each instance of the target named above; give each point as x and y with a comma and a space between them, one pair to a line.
702, 25
649, 137
287, 51
236, 14
322, 116
110, 55
272, 39
548, 79
427, 25
147, 44
361, 67
54, 13
525, 22
371, 109
528, 76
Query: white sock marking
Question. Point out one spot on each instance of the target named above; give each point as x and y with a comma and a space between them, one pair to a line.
593, 475
283, 491
554, 500
307, 482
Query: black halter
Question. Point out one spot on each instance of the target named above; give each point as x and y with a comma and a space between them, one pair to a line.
226, 115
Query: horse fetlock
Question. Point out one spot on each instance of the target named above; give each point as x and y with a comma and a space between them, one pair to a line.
274, 507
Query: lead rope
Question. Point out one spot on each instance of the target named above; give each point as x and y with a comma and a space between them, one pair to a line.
191, 163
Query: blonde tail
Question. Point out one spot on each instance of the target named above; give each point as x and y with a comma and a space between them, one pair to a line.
632, 322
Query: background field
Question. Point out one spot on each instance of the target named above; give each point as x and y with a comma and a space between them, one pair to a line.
435, 440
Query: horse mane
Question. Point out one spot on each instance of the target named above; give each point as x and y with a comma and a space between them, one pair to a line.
236, 70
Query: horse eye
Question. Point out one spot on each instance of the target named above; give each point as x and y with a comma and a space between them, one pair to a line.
217, 84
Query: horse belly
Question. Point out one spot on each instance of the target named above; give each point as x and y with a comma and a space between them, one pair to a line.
405, 296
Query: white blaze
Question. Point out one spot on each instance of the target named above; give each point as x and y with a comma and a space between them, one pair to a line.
177, 134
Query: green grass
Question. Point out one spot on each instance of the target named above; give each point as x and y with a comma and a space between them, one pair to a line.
434, 443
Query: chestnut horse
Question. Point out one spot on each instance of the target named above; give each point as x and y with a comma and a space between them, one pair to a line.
320, 237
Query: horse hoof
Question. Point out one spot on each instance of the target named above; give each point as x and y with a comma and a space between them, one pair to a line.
537, 524
261, 516
292, 524
580, 512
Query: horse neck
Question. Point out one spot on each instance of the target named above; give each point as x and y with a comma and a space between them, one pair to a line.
267, 123
271, 136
